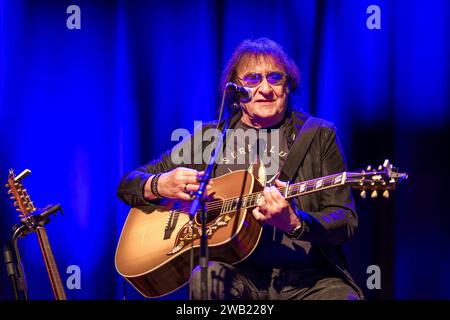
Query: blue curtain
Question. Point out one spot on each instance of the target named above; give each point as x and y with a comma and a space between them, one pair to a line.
82, 107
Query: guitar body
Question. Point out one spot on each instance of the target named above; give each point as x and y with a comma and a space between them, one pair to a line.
145, 253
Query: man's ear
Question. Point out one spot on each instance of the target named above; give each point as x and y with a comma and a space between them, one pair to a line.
287, 89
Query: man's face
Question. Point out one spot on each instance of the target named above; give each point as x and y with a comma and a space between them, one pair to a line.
269, 100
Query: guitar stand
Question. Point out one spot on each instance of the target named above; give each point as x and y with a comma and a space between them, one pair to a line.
13, 262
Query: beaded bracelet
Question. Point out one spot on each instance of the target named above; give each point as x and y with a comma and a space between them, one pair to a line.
154, 185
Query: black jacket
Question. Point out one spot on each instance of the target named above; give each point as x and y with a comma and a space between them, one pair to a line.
328, 216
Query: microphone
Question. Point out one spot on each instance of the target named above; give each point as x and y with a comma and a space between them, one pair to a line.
243, 94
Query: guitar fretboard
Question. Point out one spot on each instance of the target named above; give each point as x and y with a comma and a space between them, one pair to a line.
50, 264
293, 190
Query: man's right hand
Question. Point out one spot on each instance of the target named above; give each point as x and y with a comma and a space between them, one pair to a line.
176, 184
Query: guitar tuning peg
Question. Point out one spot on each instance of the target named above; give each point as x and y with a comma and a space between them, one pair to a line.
18, 209
9, 191
392, 180
12, 198
7, 185
16, 203
374, 194
386, 194
363, 194
369, 168
380, 167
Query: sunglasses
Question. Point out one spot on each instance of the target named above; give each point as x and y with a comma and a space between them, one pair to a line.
252, 80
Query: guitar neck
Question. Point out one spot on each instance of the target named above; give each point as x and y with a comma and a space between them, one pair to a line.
293, 190
50, 264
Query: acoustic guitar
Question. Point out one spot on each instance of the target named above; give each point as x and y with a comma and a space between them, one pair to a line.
33, 220
153, 252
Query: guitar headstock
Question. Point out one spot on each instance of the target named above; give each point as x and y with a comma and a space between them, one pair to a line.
18, 193
385, 178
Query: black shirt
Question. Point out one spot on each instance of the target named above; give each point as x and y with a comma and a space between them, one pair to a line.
269, 147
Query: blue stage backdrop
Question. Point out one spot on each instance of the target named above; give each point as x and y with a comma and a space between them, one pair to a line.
81, 107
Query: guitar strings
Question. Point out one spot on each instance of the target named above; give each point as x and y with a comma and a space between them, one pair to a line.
216, 204
220, 204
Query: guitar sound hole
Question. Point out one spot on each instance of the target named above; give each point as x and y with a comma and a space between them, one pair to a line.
213, 209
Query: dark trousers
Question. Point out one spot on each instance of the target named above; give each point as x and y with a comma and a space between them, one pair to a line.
227, 282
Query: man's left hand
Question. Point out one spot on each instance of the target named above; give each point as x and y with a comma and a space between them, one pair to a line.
275, 210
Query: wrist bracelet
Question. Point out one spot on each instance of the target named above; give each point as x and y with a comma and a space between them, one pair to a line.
154, 185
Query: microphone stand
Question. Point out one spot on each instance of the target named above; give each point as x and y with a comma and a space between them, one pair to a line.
199, 197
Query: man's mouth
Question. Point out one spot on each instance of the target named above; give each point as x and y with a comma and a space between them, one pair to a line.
264, 101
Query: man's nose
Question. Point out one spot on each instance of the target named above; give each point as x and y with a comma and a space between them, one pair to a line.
265, 88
